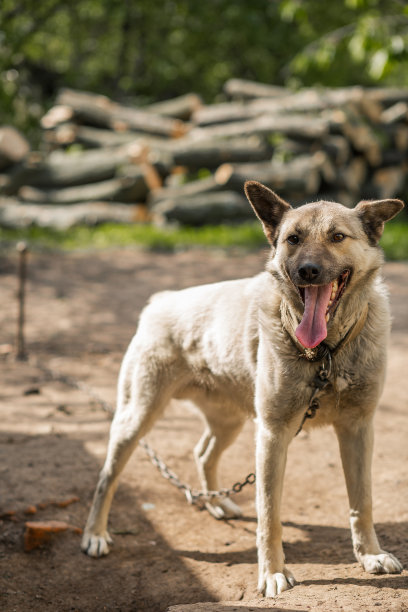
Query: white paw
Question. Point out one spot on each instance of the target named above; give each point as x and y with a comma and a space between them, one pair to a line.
96, 545
272, 585
383, 563
223, 508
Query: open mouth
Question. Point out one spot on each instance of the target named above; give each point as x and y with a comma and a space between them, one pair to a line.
320, 304
338, 288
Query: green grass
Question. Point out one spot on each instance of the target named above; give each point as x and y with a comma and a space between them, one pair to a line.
248, 236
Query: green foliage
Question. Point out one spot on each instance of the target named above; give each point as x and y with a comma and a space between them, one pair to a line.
143, 51
247, 236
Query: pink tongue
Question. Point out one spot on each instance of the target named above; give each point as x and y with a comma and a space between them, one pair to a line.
312, 329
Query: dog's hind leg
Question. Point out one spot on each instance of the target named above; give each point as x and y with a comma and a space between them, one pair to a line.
216, 438
139, 406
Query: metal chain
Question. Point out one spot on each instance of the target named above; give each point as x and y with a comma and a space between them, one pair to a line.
319, 383
193, 496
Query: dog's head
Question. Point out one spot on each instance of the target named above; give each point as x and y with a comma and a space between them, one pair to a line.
320, 252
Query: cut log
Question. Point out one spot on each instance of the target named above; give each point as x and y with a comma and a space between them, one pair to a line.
124, 189
195, 155
395, 113
243, 89
201, 209
126, 118
338, 149
317, 100
222, 113
13, 147
363, 138
14, 214
203, 186
386, 183
297, 126
63, 170
351, 178
400, 136
300, 175
181, 107
387, 96
90, 137
100, 111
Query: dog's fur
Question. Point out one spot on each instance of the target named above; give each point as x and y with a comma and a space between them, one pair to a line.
224, 347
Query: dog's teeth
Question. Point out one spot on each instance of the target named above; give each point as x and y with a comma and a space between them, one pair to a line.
327, 317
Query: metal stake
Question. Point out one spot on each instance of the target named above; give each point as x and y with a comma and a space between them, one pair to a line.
22, 250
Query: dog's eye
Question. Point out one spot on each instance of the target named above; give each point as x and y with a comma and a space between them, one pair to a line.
338, 237
293, 239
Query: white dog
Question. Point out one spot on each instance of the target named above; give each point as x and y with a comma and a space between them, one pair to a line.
306, 337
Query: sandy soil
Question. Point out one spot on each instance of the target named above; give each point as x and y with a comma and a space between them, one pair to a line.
82, 310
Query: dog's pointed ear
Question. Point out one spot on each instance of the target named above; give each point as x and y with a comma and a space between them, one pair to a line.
374, 213
268, 207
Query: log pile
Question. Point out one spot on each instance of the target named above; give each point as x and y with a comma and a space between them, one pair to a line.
186, 162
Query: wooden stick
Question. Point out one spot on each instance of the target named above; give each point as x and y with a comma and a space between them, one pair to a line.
22, 276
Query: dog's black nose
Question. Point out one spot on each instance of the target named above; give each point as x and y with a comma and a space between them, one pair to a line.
309, 271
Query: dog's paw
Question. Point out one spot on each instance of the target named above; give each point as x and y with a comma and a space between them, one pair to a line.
272, 585
223, 508
96, 545
383, 563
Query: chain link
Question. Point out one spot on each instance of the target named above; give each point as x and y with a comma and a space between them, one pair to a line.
193, 496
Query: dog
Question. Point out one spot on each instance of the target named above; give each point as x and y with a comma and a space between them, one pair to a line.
306, 337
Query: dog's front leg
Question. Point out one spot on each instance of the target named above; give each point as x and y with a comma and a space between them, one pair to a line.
271, 452
356, 445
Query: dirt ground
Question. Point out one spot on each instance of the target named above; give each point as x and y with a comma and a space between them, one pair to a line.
82, 310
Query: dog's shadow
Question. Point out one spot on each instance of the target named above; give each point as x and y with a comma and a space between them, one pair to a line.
324, 545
